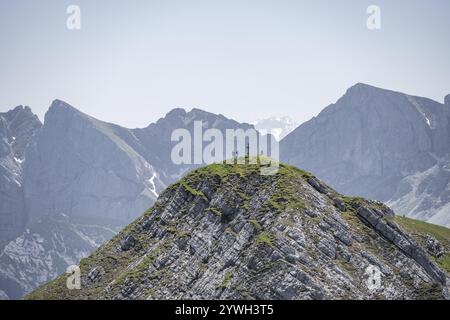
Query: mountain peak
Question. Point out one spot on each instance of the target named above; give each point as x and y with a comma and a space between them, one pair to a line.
363, 88
180, 115
61, 109
181, 112
23, 110
176, 112
200, 113
228, 232
60, 104
20, 109
447, 100
362, 85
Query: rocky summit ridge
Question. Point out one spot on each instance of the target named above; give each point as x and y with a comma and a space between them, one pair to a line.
225, 231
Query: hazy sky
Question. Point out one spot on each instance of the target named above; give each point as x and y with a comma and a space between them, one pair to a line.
133, 61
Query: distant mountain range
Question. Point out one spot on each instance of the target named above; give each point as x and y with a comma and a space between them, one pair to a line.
71, 183
383, 145
78, 183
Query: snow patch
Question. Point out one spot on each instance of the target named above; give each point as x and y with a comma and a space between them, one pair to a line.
153, 186
279, 127
419, 109
19, 161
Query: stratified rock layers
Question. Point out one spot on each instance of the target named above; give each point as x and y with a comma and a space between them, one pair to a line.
228, 232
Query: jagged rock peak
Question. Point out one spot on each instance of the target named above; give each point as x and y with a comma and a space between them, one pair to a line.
193, 114
176, 112
24, 112
181, 117
361, 92
181, 112
362, 86
61, 106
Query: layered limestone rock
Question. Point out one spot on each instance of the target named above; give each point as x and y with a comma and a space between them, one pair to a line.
228, 232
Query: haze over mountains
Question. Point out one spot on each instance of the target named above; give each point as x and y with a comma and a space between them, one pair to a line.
81, 181
72, 183
382, 145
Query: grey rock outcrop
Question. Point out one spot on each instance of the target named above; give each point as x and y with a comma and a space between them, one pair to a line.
390, 231
434, 247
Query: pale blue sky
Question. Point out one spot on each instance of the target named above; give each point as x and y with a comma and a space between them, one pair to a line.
132, 61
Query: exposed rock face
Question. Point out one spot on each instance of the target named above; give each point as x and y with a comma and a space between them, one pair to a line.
434, 247
381, 145
18, 128
45, 250
393, 233
425, 195
84, 167
228, 232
